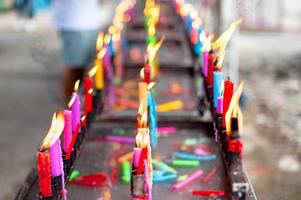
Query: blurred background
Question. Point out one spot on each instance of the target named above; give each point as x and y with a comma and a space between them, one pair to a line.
265, 53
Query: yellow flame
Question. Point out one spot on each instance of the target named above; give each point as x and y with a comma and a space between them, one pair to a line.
71, 101
92, 71
99, 41
107, 39
220, 44
206, 41
76, 85
152, 49
142, 74
102, 53
151, 85
234, 110
55, 130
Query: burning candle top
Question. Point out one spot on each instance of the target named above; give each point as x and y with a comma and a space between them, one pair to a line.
234, 110
74, 105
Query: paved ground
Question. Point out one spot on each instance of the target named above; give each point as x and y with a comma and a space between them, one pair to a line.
30, 93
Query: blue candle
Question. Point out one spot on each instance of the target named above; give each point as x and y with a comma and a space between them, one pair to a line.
188, 23
217, 83
198, 46
153, 123
188, 156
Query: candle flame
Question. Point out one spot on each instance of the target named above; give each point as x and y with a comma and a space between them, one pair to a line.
142, 74
206, 41
151, 85
234, 110
142, 137
55, 130
220, 44
152, 49
71, 101
76, 85
107, 39
101, 53
93, 71
99, 41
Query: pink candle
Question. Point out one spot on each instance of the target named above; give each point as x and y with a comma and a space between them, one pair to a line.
56, 160
220, 105
205, 63
136, 158
75, 108
147, 181
67, 129
188, 180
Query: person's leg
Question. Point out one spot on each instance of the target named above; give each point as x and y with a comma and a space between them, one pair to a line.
70, 76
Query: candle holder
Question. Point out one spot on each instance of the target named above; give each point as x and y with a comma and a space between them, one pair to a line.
137, 186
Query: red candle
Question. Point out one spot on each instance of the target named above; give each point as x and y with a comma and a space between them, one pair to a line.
209, 192
210, 69
143, 156
228, 92
88, 95
147, 71
43, 167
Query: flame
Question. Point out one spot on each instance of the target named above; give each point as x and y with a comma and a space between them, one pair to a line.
152, 49
206, 41
71, 101
220, 44
55, 130
99, 41
142, 74
151, 85
76, 85
141, 115
142, 138
102, 53
234, 110
93, 71
107, 39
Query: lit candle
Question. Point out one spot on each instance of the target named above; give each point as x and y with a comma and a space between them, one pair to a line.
210, 69
136, 157
228, 92
217, 81
220, 105
75, 108
205, 56
56, 159
67, 129
142, 94
88, 94
43, 167
153, 124
99, 79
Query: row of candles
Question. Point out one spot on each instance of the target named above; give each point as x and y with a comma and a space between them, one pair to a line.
55, 163
147, 124
212, 88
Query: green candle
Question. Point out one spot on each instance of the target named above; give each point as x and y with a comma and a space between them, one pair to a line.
125, 172
185, 163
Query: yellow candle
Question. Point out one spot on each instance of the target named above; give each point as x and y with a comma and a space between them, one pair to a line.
99, 79
173, 105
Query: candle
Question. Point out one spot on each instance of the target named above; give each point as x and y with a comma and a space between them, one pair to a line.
170, 106
142, 94
143, 156
125, 172
163, 166
75, 108
220, 105
88, 94
147, 73
205, 56
121, 139
188, 180
136, 157
67, 129
185, 163
43, 167
153, 124
217, 82
56, 159
210, 69
188, 156
208, 192
147, 181
168, 177
99, 79
228, 92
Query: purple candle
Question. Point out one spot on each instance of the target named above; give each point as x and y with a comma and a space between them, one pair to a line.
67, 129
220, 105
205, 63
56, 160
75, 108
120, 139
